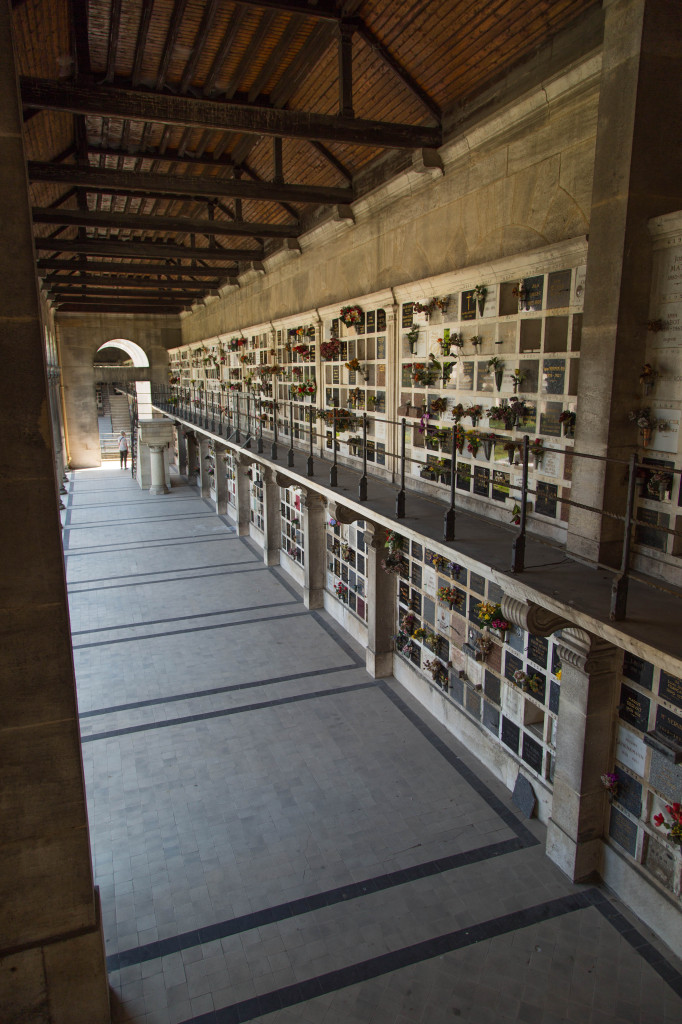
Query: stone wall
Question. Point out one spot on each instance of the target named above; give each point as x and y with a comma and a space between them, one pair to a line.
79, 337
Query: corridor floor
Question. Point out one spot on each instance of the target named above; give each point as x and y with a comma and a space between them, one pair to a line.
278, 837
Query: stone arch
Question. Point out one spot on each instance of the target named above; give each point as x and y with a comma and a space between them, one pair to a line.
131, 349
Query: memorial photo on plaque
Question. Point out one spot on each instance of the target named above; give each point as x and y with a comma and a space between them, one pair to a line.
634, 708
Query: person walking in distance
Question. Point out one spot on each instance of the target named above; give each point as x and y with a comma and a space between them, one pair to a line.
123, 449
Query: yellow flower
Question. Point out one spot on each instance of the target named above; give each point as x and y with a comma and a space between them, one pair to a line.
558, 674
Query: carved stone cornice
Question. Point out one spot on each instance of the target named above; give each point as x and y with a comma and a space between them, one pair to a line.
344, 515
532, 617
589, 654
375, 536
283, 480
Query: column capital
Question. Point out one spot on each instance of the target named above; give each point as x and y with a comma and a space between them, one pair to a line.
585, 652
375, 536
157, 447
343, 514
532, 617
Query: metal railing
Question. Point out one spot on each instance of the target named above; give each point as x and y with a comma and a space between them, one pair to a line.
245, 417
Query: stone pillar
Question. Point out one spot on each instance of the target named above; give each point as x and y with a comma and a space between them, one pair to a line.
314, 545
52, 964
204, 478
243, 493
192, 460
393, 384
158, 468
636, 177
182, 450
272, 516
589, 686
381, 605
220, 480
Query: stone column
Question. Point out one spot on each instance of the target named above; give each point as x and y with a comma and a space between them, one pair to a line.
243, 493
158, 468
636, 177
272, 516
182, 450
52, 964
192, 459
314, 545
393, 384
381, 605
220, 480
589, 686
204, 478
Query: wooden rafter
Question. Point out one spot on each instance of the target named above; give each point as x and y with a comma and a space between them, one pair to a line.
138, 222
149, 250
225, 116
397, 68
59, 281
169, 268
131, 181
114, 26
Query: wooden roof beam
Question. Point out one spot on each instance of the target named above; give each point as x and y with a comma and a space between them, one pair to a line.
398, 69
125, 306
58, 281
132, 181
150, 250
162, 108
170, 268
138, 222
325, 10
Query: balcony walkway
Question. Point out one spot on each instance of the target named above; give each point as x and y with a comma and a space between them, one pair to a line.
278, 837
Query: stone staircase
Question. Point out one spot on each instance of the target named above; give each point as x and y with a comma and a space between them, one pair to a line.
120, 415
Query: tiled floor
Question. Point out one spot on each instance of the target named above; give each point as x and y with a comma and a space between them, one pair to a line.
279, 838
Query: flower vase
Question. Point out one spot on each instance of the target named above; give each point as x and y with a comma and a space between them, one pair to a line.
648, 386
567, 430
481, 306
488, 448
499, 375
646, 437
474, 421
413, 347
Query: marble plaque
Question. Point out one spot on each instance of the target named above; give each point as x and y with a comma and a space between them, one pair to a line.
500, 489
417, 550
646, 531
638, 670
546, 499
477, 583
523, 796
531, 753
670, 688
579, 286
403, 593
456, 688
473, 702
669, 725
468, 309
538, 647
516, 638
660, 861
442, 619
666, 777
485, 380
512, 664
465, 375
481, 481
407, 318
491, 717
490, 308
415, 655
429, 612
667, 440
551, 463
381, 320
549, 419
371, 322
631, 751
416, 602
553, 376
464, 476
416, 574
559, 289
531, 299
510, 734
429, 581
492, 687
554, 695
634, 708
623, 831
629, 793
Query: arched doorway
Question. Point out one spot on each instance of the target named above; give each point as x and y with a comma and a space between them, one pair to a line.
119, 363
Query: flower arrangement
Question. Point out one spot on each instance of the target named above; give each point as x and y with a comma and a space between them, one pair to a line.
432, 305
458, 412
424, 423
511, 448
235, 344
656, 325
439, 405
609, 781
345, 552
354, 397
503, 413
480, 292
673, 827
394, 562
643, 418
527, 682
659, 483
517, 378
343, 418
408, 622
484, 644
495, 363
537, 447
490, 614
403, 642
341, 591
420, 634
567, 420
439, 672
350, 315
474, 412
304, 351
356, 367
439, 563
330, 349
412, 336
421, 374
473, 441
476, 340
306, 387
271, 371
173, 380
516, 515
450, 595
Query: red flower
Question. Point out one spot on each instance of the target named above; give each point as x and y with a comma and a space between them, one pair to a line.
658, 820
